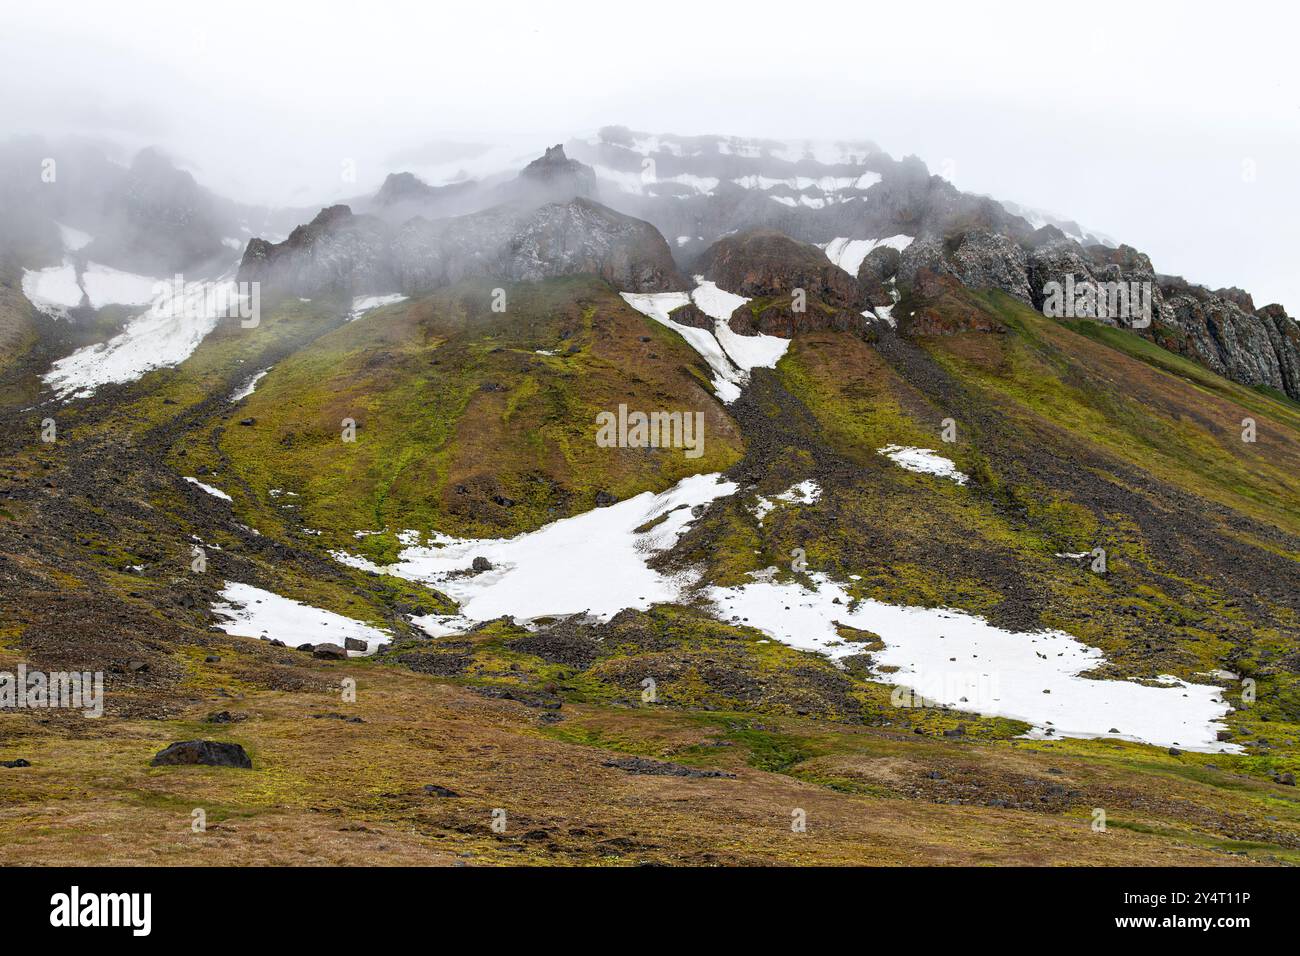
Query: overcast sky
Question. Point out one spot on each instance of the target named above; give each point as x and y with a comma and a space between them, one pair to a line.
1172, 126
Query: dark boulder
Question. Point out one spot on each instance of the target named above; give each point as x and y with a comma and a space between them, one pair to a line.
208, 753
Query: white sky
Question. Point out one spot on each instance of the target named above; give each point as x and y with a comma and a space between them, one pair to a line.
1135, 118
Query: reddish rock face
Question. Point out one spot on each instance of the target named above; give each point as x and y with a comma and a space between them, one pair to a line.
769, 267
938, 305
764, 263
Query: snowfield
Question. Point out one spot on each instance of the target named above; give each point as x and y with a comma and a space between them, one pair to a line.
59, 288
596, 564
53, 290
165, 335
960, 661
107, 286
253, 612
593, 563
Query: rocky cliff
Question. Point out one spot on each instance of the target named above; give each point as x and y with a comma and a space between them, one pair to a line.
340, 252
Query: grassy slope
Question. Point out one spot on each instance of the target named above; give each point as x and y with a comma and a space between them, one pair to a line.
1157, 450
880, 786
455, 407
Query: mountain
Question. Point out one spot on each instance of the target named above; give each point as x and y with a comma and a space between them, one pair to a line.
546, 227
649, 503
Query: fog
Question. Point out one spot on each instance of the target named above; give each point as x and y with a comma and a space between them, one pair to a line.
1174, 127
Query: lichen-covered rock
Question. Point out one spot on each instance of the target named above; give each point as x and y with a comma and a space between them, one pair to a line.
1216, 332
987, 260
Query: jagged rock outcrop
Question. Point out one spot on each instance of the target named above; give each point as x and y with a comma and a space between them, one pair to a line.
1063, 264
1284, 332
554, 177
1221, 330
582, 236
1255, 348
342, 253
337, 252
764, 262
978, 259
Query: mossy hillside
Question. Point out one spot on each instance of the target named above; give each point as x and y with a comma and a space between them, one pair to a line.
462, 426
1171, 418
17, 336
916, 539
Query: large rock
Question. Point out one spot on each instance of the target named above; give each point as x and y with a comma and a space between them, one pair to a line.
554, 178
584, 237
345, 254
763, 262
770, 268
1252, 348
877, 275
337, 252
208, 753
986, 260
978, 260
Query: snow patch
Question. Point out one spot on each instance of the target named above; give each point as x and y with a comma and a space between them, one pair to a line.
594, 563
923, 461
730, 355
640, 183
253, 612
849, 253
368, 303
827, 184
248, 387
727, 378
167, 334
805, 493
209, 489
105, 285
53, 290
958, 660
